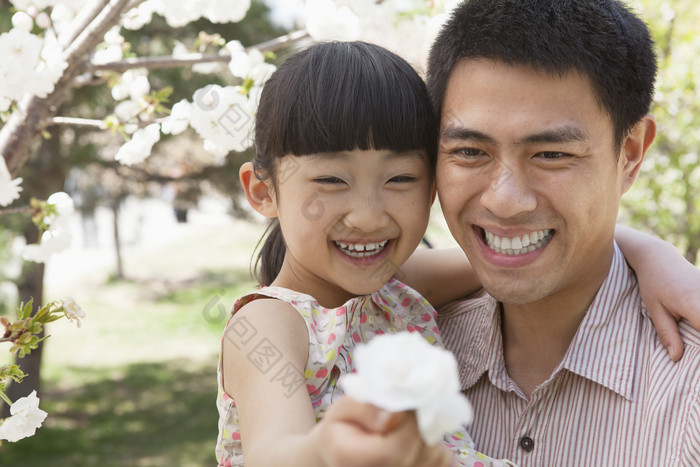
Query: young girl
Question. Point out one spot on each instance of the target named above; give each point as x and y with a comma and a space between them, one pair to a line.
346, 146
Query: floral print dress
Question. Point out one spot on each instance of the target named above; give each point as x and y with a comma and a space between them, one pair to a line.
333, 335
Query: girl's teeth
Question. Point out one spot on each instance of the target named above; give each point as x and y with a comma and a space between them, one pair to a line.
518, 245
360, 250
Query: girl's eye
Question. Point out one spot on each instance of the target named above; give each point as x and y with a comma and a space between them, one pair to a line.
403, 179
328, 180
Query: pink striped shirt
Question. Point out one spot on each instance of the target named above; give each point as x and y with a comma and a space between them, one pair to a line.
616, 399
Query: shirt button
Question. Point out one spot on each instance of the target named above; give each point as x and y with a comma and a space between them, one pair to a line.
526, 443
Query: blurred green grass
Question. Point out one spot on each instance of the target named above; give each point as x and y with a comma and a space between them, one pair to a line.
136, 384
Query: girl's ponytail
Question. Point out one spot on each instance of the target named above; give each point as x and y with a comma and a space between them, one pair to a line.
269, 261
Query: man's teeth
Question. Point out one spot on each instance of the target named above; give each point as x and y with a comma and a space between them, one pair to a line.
360, 250
518, 245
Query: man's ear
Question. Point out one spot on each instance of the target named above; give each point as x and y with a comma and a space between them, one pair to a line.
258, 192
634, 149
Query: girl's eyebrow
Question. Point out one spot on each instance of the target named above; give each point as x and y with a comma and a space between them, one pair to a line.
322, 156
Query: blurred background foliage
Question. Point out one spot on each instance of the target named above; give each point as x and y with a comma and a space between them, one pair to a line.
665, 199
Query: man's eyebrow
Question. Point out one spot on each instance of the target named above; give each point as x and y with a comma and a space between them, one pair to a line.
451, 132
564, 134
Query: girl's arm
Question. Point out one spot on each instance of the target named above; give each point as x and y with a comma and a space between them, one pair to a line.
274, 425
277, 423
669, 285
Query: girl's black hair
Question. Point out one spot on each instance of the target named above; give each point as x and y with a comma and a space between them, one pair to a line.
331, 97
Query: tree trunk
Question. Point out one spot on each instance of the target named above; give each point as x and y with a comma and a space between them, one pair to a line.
43, 176
117, 240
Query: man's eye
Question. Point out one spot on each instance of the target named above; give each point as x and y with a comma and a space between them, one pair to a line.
469, 152
553, 155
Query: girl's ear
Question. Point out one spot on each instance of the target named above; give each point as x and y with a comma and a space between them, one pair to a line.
259, 194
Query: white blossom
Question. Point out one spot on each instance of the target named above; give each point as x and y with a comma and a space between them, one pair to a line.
248, 64
127, 110
52, 242
9, 188
223, 117
73, 311
23, 21
25, 418
225, 11
132, 84
403, 372
139, 147
64, 209
4, 102
29, 65
43, 20
138, 17
179, 118
327, 21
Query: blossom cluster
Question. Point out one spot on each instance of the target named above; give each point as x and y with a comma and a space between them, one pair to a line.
53, 218
25, 415
178, 14
403, 371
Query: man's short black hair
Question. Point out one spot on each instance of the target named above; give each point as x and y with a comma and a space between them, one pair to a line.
601, 39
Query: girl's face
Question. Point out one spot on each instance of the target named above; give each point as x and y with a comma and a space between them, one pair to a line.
350, 219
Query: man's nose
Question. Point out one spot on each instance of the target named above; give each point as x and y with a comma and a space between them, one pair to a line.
509, 191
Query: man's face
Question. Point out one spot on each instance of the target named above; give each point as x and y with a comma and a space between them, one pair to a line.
528, 180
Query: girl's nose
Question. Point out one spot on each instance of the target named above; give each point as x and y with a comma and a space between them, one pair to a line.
366, 213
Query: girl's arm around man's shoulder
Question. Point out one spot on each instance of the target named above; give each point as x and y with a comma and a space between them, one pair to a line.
440, 275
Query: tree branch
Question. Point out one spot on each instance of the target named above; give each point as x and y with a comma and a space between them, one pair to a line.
18, 134
74, 121
167, 61
83, 20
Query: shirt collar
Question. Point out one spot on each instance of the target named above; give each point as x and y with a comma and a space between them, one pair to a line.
602, 350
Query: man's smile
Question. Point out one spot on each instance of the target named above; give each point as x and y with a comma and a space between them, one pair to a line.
513, 246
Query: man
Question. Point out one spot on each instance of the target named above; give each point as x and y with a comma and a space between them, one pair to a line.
544, 126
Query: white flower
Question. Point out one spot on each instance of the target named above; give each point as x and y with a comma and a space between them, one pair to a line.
22, 21
4, 102
138, 17
26, 417
64, 208
404, 372
248, 64
43, 20
140, 146
133, 84
225, 11
223, 117
179, 118
73, 310
127, 110
326, 21
9, 188
52, 242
